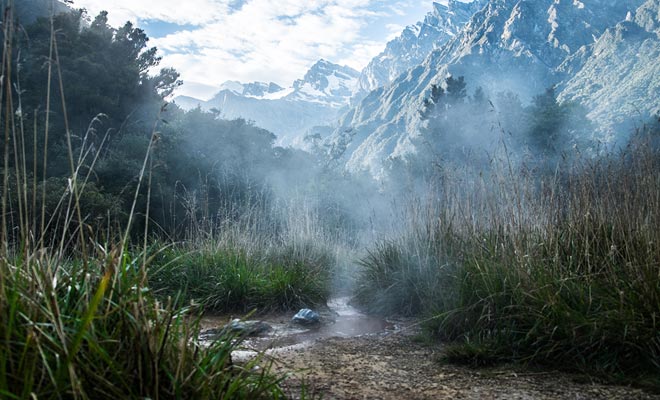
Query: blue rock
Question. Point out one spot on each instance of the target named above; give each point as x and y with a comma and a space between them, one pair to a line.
306, 317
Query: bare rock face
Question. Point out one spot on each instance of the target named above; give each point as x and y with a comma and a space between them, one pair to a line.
414, 44
619, 79
601, 53
648, 16
517, 45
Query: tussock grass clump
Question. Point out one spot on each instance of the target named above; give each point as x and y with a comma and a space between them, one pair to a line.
225, 279
396, 280
263, 258
559, 269
67, 331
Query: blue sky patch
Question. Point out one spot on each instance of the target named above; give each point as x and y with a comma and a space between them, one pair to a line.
157, 28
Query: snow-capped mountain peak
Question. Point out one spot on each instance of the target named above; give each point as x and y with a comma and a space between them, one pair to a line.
253, 89
232, 86
326, 82
288, 112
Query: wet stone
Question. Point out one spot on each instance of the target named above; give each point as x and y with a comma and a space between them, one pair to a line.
306, 317
236, 326
248, 328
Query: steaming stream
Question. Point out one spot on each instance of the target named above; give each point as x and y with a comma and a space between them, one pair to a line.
339, 320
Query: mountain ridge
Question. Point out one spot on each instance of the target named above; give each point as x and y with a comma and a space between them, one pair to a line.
290, 113
504, 41
620, 75
414, 43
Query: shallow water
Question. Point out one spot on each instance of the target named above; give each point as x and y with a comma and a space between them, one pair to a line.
340, 320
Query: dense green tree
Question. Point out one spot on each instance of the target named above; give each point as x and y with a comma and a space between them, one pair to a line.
457, 129
456, 89
103, 70
453, 125
511, 115
479, 97
555, 128
109, 73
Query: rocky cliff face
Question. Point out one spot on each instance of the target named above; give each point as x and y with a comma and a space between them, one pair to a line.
601, 53
518, 45
619, 79
648, 16
415, 43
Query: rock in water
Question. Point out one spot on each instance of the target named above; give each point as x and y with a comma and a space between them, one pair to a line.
306, 317
247, 328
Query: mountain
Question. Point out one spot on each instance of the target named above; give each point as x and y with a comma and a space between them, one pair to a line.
508, 45
254, 89
325, 83
648, 16
415, 43
290, 113
619, 81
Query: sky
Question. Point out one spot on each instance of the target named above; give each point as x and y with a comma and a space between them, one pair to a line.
213, 41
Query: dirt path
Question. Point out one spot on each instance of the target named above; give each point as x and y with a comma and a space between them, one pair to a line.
395, 366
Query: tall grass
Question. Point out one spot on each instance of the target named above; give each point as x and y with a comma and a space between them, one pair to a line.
98, 333
233, 279
77, 317
555, 268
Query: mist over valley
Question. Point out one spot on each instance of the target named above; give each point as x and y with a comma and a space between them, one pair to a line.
244, 199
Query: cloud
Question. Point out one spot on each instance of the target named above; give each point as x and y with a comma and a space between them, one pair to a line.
362, 53
266, 40
271, 40
174, 11
395, 30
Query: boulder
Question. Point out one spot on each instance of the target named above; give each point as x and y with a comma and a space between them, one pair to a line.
306, 317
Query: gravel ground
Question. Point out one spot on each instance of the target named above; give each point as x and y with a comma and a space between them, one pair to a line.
395, 366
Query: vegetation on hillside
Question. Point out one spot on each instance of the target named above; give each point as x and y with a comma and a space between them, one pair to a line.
458, 128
